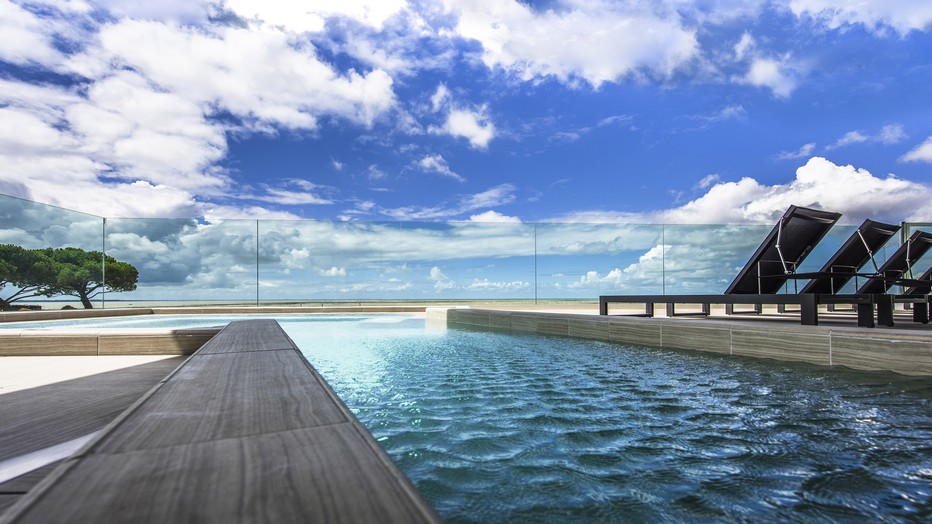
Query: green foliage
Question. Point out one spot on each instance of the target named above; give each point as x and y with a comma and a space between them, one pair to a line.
63, 271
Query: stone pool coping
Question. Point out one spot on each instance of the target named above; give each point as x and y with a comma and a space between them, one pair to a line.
903, 351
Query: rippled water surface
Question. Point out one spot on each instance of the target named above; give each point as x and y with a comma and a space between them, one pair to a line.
497, 427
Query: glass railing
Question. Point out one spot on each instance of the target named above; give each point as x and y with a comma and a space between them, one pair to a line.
249, 262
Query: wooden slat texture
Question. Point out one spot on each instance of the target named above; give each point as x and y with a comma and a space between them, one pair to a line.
244, 431
248, 335
228, 396
322, 474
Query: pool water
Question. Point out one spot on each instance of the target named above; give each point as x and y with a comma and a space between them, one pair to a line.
497, 427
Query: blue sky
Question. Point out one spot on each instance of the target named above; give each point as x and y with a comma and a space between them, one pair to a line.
675, 111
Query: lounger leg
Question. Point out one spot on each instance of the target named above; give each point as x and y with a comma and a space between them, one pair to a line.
885, 310
603, 306
921, 312
671, 309
866, 315
809, 310
649, 309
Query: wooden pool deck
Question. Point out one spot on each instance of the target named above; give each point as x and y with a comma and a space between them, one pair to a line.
245, 430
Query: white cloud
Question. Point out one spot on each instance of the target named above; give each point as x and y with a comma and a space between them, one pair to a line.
440, 97
292, 192
902, 16
851, 137
856, 193
708, 180
744, 46
474, 126
26, 37
296, 258
493, 197
333, 272
259, 75
920, 153
441, 281
820, 184
777, 75
437, 164
494, 216
804, 151
891, 134
595, 41
487, 285
178, 11
312, 16
888, 134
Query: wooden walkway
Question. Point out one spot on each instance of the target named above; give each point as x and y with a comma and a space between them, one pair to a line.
244, 431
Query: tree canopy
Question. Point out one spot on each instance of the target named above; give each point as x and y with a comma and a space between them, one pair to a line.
62, 271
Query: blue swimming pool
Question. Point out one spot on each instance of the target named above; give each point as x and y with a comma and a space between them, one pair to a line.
497, 427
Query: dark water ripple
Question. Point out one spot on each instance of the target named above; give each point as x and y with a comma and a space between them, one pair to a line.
500, 428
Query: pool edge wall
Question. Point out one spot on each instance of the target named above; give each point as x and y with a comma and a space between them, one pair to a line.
907, 352
95, 342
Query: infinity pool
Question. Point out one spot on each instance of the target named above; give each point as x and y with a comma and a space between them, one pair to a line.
497, 427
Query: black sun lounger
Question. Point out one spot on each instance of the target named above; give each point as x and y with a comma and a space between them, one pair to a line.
782, 251
899, 265
922, 287
775, 262
850, 257
897, 270
794, 236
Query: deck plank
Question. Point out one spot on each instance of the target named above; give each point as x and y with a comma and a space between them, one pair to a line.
309, 475
246, 336
227, 396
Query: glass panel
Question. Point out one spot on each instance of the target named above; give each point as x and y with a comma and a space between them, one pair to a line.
468, 260
306, 261
705, 259
583, 261
185, 261
30, 225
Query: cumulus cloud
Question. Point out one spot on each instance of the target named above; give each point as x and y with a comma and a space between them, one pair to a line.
777, 75
902, 16
139, 134
494, 216
819, 183
473, 125
441, 281
333, 272
780, 74
920, 153
609, 41
26, 37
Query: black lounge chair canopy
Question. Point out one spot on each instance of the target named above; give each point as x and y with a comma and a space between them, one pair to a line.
783, 250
